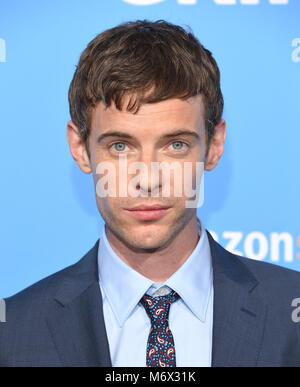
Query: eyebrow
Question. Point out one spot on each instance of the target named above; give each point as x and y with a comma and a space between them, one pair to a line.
178, 132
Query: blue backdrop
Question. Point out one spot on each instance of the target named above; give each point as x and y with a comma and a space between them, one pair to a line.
49, 217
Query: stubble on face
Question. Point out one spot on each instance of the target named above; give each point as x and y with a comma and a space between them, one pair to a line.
148, 123
150, 236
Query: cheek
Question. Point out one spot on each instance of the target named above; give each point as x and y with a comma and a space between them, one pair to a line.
110, 210
185, 178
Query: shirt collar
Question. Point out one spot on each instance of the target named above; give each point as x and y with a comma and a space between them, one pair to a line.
124, 287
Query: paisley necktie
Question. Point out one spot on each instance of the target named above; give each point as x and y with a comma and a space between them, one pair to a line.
160, 345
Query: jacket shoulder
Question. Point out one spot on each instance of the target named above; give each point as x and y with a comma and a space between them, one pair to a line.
270, 273
41, 288
272, 278
38, 293
25, 338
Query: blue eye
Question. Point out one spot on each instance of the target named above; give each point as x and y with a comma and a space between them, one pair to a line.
177, 145
119, 146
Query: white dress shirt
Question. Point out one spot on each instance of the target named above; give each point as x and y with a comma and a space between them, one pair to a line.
190, 317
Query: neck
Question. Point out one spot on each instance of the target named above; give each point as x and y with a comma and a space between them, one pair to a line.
159, 265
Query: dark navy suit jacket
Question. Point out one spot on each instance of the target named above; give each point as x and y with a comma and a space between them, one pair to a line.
59, 320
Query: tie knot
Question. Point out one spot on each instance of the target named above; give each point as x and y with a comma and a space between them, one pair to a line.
158, 308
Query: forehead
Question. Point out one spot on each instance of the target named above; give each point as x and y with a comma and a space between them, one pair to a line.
156, 117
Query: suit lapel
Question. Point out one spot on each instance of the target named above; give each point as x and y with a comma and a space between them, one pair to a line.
239, 315
76, 322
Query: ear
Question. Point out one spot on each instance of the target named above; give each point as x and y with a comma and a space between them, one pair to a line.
216, 146
78, 148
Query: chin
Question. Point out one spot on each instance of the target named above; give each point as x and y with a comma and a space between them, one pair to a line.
146, 240
151, 245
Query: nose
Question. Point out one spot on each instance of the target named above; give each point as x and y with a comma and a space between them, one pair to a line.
149, 176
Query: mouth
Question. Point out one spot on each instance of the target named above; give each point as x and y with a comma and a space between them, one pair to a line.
145, 212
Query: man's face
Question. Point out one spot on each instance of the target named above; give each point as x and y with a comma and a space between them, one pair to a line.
168, 131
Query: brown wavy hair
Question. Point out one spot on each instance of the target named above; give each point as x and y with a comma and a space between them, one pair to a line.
150, 61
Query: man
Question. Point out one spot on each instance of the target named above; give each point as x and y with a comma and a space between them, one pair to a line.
156, 289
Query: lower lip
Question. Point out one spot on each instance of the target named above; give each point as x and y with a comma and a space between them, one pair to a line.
149, 214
